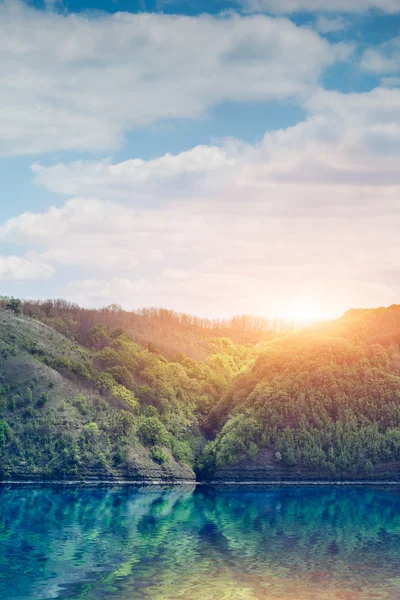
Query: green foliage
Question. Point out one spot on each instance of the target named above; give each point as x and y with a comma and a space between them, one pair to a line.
324, 400
92, 431
105, 382
28, 395
122, 376
14, 304
158, 455
81, 404
127, 422
252, 451
152, 431
5, 433
183, 452
43, 399
82, 369
128, 397
98, 336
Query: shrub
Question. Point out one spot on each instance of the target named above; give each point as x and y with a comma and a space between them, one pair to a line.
252, 451
92, 431
119, 457
159, 455
80, 403
14, 304
126, 422
122, 376
106, 382
182, 452
28, 395
128, 397
5, 433
151, 431
44, 398
82, 369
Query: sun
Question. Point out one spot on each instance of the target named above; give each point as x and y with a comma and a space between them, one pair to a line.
309, 312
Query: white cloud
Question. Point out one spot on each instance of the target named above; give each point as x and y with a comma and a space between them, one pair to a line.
391, 82
23, 269
113, 73
368, 125
384, 60
103, 235
325, 24
312, 209
346, 139
88, 177
281, 7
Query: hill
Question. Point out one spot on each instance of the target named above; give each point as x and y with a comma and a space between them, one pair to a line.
81, 396
320, 403
57, 424
165, 331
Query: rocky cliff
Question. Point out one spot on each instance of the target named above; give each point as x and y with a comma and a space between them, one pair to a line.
265, 469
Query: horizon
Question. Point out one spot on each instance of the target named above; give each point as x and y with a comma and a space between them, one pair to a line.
224, 320
213, 158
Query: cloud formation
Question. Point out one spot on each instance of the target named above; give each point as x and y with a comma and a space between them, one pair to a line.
17, 268
326, 24
91, 177
282, 7
346, 139
384, 60
310, 211
114, 73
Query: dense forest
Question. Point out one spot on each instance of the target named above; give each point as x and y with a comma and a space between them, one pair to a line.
155, 394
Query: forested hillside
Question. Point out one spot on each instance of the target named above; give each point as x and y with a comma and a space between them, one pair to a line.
113, 408
165, 331
325, 400
158, 395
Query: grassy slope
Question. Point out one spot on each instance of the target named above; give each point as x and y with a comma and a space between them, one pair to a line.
50, 432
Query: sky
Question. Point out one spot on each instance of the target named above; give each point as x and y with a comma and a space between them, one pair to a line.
210, 157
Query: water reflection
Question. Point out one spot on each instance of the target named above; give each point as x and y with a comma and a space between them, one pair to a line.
204, 543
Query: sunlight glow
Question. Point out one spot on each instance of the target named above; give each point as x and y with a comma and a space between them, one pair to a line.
309, 312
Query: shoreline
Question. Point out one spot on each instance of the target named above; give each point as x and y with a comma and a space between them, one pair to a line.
113, 482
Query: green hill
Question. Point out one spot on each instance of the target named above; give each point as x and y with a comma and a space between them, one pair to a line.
83, 397
319, 403
57, 424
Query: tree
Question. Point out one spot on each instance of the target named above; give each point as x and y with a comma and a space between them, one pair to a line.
5, 433
152, 431
114, 308
159, 455
14, 304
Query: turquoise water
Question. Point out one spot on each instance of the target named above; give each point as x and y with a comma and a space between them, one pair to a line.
124, 543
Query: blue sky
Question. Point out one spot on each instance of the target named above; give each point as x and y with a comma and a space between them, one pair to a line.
210, 157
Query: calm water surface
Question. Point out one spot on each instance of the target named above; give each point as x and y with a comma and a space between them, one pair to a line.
286, 543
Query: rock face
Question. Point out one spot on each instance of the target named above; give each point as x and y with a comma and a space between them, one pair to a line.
140, 474
266, 469
139, 468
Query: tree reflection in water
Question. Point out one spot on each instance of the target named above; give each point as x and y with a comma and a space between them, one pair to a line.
125, 543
